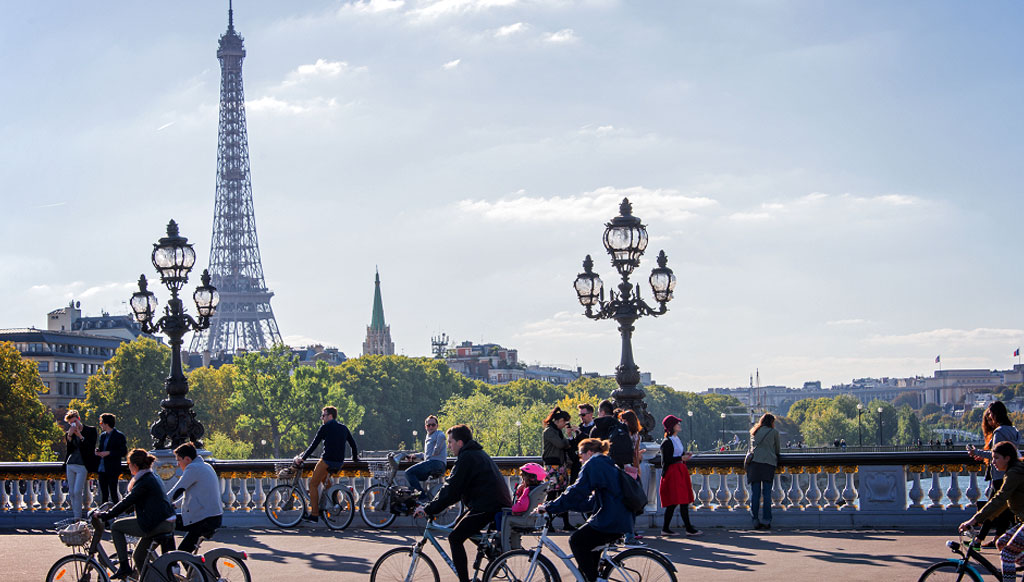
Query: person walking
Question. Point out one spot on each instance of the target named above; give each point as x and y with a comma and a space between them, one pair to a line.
528, 495
632, 423
556, 456
80, 440
112, 447
1006, 458
334, 435
676, 488
596, 491
996, 427
765, 444
154, 515
199, 489
478, 483
435, 458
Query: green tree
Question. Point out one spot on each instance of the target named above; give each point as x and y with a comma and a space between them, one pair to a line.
908, 428
210, 389
131, 387
27, 429
221, 446
823, 429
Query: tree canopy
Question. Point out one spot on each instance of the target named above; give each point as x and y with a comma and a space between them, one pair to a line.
28, 431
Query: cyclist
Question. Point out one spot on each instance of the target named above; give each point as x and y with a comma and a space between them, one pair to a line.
153, 513
1010, 496
434, 458
480, 485
334, 436
596, 491
199, 489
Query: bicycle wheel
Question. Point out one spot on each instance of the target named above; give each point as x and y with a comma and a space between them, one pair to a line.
77, 568
285, 506
448, 517
638, 565
373, 507
948, 570
339, 509
179, 567
394, 566
515, 566
231, 569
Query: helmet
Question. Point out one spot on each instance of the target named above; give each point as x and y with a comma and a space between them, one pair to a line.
535, 470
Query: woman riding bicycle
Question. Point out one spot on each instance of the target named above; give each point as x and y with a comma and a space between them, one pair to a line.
596, 491
154, 515
1006, 458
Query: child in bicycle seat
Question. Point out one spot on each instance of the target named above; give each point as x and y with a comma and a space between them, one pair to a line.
528, 495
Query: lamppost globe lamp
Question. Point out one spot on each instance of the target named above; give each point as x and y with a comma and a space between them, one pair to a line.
174, 258
625, 239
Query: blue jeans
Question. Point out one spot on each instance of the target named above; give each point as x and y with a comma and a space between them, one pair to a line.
420, 471
761, 490
76, 475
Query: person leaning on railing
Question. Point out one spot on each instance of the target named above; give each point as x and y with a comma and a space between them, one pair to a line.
1010, 497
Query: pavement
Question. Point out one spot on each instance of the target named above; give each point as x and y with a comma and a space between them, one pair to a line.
306, 553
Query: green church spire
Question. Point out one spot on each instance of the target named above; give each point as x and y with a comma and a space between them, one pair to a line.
377, 321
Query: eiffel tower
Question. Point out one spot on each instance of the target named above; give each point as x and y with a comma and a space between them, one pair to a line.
244, 319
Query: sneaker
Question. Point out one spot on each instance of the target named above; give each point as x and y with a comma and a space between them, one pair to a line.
668, 533
691, 531
633, 543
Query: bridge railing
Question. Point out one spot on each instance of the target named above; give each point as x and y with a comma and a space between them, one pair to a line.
811, 489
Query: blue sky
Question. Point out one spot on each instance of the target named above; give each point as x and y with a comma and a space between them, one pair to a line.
836, 184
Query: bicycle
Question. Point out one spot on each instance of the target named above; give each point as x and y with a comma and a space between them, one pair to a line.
223, 564
407, 564
380, 504
96, 564
630, 565
287, 503
961, 569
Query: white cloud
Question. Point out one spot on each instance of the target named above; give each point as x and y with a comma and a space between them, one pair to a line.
563, 324
811, 206
589, 206
510, 30
451, 64
165, 126
953, 337
320, 69
431, 10
564, 36
599, 131
847, 322
373, 6
275, 106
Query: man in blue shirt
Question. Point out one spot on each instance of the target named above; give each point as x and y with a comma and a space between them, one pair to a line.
434, 455
334, 436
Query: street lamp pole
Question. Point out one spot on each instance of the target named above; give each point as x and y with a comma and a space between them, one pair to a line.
625, 239
860, 433
879, 426
519, 440
689, 414
173, 258
723, 428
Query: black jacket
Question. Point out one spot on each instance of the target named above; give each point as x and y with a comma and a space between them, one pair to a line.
87, 446
117, 446
476, 481
666, 455
149, 500
603, 427
334, 436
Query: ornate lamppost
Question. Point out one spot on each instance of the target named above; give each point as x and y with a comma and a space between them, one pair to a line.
879, 426
689, 415
860, 433
173, 258
625, 239
723, 429
519, 440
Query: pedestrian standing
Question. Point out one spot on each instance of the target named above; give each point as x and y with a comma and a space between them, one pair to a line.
632, 423
996, 427
112, 447
676, 488
556, 456
765, 447
80, 440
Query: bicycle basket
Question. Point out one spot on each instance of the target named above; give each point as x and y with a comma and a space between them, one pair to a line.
380, 469
74, 532
285, 470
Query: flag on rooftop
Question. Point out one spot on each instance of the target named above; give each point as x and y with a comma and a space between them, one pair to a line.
938, 359
1016, 352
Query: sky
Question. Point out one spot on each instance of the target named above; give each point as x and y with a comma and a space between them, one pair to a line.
836, 184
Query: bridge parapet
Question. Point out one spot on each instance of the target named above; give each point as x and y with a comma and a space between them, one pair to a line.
811, 490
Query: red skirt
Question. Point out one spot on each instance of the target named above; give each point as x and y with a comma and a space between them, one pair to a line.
676, 487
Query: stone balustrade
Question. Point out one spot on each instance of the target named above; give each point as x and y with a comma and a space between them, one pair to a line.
813, 490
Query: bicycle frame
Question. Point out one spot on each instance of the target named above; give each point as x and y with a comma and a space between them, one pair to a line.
967, 552
428, 536
566, 558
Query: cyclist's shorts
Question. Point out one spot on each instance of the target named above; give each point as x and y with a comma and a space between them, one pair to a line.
334, 467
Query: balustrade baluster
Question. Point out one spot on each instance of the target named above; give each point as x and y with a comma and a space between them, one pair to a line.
777, 493
16, 489
5, 499
935, 492
795, 493
973, 493
705, 495
741, 495
813, 492
87, 495
849, 492
232, 496
723, 496
831, 490
953, 493
33, 494
58, 495
261, 494
916, 492
225, 496
44, 503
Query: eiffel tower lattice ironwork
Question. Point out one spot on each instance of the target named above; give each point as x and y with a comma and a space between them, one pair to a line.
244, 319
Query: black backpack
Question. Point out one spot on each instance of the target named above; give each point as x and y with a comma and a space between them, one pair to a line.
621, 450
633, 496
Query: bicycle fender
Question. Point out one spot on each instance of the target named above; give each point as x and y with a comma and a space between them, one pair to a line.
177, 556
212, 555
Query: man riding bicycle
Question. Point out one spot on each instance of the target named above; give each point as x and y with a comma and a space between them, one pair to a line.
476, 480
334, 435
199, 487
434, 458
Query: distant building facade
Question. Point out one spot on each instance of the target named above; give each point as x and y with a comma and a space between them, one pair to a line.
378, 333
478, 361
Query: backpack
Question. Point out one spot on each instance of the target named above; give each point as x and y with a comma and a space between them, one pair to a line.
633, 496
621, 450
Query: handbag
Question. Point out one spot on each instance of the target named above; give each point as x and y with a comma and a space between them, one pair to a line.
750, 453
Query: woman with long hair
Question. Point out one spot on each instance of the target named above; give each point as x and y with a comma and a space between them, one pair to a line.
629, 418
765, 444
1010, 497
996, 427
676, 488
556, 456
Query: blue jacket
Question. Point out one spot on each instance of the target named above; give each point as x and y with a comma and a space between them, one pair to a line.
599, 476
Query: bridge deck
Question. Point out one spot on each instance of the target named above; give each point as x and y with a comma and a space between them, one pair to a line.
720, 554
